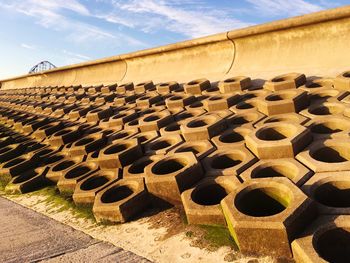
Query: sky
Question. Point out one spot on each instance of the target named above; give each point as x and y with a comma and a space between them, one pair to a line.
72, 31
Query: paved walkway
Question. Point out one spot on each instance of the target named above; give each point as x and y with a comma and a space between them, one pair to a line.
27, 236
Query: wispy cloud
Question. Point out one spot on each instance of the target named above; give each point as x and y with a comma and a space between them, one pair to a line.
77, 55
192, 19
282, 7
50, 14
24, 45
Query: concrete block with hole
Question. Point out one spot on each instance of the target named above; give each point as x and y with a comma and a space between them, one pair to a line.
278, 140
167, 178
285, 81
202, 127
326, 155
326, 240
86, 190
265, 215
284, 167
285, 117
228, 161
199, 148
232, 137
121, 201
202, 202
330, 191
68, 181
119, 154
285, 101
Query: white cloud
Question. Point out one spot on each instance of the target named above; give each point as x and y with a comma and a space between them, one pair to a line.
193, 19
282, 7
76, 55
24, 45
49, 14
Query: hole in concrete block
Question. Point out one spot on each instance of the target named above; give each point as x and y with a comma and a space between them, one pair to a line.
209, 194
84, 141
289, 171
138, 167
53, 159
77, 172
13, 162
334, 194
266, 201
231, 137
116, 148
93, 182
63, 165
244, 106
326, 110
328, 127
172, 127
225, 161
60, 133
333, 154
25, 176
346, 75
275, 133
151, 118
161, 144
116, 193
167, 166
334, 245
176, 98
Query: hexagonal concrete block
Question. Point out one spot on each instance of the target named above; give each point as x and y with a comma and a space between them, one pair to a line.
179, 101
163, 144
199, 148
326, 240
231, 137
221, 102
228, 161
330, 191
137, 168
265, 215
326, 155
167, 87
119, 154
202, 127
67, 182
245, 118
328, 108
329, 127
195, 87
278, 140
286, 117
169, 177
342, 81
237, 83
202, 202
285, 167
121, 201
155, 121
286, 81
86, 190
285, 101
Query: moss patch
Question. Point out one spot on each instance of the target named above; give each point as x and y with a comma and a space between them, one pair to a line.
218, 236
59, 203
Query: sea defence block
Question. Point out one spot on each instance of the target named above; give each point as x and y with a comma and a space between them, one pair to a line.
265, 215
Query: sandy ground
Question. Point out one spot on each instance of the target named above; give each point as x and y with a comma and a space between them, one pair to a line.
157, 236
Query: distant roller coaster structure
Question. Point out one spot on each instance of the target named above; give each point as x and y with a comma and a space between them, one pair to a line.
42, 66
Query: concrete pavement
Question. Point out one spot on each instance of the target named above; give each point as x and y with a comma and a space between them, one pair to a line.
27, 236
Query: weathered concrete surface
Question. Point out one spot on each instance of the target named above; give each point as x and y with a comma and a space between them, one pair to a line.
26, 236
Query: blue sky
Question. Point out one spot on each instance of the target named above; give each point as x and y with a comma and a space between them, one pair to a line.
72, 31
